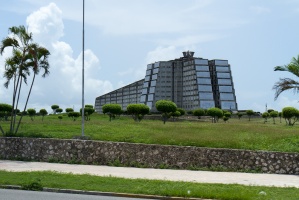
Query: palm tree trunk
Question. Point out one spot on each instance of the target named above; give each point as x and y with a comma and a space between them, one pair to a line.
13, 104
17, 103
25, 103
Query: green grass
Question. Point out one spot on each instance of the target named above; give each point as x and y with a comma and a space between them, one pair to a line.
236, 134
148, 187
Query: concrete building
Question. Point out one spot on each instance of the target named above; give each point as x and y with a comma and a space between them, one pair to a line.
190, 82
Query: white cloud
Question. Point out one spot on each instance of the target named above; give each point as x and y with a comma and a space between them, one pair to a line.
162, 54
46, 24
284, 101
64, 84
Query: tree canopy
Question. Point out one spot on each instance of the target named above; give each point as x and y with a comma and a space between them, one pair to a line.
166, 107
138, 111
287, 83
112, 110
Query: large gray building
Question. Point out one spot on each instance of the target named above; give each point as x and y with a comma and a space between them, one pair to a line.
190, 82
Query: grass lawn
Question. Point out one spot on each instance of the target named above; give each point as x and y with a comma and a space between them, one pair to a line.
237, 134
148, 187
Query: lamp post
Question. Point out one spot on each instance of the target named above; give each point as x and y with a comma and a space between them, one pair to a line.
83, 74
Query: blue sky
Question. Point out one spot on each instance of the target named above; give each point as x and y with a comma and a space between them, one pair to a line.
121, 37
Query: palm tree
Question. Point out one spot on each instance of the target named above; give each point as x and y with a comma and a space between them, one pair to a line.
287, 83
26, 55
19, 41
38, 59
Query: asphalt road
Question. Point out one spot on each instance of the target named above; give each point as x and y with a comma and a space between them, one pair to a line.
9, 194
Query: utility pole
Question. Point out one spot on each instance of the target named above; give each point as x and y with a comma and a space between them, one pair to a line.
83, 75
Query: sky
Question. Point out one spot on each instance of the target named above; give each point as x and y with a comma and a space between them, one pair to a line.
122, 37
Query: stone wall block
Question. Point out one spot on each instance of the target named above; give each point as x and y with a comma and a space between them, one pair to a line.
182, 157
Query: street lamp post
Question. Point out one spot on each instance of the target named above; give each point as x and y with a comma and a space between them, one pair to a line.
83, 74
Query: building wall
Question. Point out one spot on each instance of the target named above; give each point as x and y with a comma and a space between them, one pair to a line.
188, 81
124, 96
103, 153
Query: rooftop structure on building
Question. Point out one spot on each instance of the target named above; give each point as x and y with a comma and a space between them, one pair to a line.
190, 82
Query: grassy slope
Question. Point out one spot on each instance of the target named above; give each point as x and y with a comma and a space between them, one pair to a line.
150, 187
238, 134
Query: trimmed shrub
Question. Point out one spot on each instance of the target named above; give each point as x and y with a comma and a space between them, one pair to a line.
137, 111
166, 107
112, 110
291, 115
215, 113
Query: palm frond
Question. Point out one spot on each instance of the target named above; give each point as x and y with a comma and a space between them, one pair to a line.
8, 42
285, 84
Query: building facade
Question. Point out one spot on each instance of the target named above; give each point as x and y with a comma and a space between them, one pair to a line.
190, 82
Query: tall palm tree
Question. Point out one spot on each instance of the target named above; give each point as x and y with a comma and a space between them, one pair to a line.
19, 40
26, 55
287, 83
38, 60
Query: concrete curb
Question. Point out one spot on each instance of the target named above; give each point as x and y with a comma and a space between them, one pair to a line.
112, 194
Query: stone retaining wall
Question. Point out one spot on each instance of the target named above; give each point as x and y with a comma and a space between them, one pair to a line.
155, 156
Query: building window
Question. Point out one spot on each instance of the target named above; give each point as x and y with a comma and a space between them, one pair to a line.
202, 68
205, 88
203, 74
221, 62
228, 105
227, 96
224, 82
225, 89
149, 104
206, 104
156, 70
223, 75
204, 81
143, 98
154, 77
207, 96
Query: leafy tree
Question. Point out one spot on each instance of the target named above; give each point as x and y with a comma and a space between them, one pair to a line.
226, 116
165, 107
240, 114
199, 112
112, 110
287, 83
274, 114
59, 110
67, 110
5, 111
138, 111
60, 117
88, 110
88, 106
270, 110
26, 56
265, 115
291, 115
43, 113
182, 111
74, 115
249, 114
175, 114
54, 108
215, 113
31, 112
